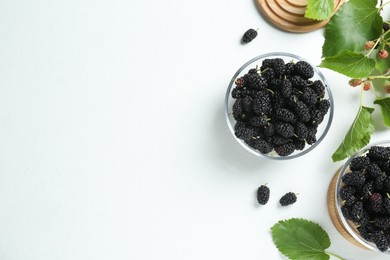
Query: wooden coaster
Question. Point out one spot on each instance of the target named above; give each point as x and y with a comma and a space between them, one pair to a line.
289, 14
334, 216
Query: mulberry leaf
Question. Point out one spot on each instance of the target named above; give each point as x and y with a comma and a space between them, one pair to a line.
301, 239
356, 22
384, 103
319, 9
358, 135
350, 64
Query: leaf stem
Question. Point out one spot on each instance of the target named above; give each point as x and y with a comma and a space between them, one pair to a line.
382, 5
361, 98
379, 77
376, 43
334, 255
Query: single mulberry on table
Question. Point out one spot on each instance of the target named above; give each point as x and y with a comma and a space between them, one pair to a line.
263, 193
249, 35
288, 199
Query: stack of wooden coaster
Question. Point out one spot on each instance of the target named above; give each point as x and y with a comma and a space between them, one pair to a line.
289, 14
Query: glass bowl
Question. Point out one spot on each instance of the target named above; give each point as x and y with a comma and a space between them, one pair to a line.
351, 226
322, 128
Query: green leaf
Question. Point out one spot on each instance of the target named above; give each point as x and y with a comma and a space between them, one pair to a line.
301, 239
384, 103
351, 64
356, 22
319, 9
358, 135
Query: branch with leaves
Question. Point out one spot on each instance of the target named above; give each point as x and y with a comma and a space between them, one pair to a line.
357, 45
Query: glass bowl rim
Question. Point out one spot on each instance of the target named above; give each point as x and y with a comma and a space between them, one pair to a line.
316, 71
344, 222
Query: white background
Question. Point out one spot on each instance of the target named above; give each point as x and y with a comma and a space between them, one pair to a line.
113, 140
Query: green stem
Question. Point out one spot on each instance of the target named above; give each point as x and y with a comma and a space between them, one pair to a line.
382, 5
361, 98
378, 77
334, 255
376, 43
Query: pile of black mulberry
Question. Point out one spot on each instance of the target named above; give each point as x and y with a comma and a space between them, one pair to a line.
278, 107
365, 195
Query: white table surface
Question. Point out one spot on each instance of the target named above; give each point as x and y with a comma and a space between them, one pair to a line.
113, 140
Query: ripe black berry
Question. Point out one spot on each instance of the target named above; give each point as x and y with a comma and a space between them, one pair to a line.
302, 112
244, 132
304, 69
373, 170
379, 153
359, 163
288, 199
258, 120
285, 115
376, 202
355, 178
286, 88
301, 130
284, 129
263, 193
285, 149
249, 35
380, 241
262, 145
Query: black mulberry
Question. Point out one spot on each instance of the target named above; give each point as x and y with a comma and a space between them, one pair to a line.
249, 35
347, 191
376, 202
324, 106
257, 82
239, 113
297, 81
380, 241
285, 115
301, 130
243, 132
262, 145
285, 149
368, 189
357, 211
379, 153
258, 120
359, 163
302, 112
309, 97
299, 144
279, 140
284, 129
304, 69
288, 199
382, 222
278, 66
286, 88
289, 68
373, 170
318, 88
263, 193
262, 103
355, 178
379, 182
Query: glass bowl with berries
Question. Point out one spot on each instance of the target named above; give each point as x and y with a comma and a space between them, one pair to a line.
362, 197
279, 106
